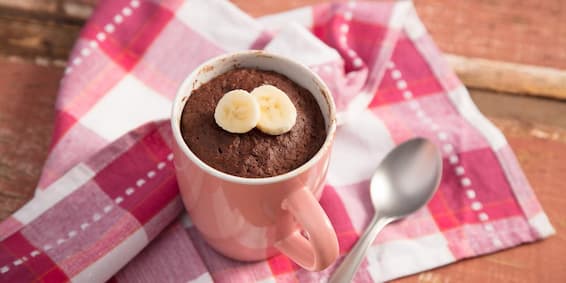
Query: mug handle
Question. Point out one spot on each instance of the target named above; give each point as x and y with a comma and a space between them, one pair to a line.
321, 249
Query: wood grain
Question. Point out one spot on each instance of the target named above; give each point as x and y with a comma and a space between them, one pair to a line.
509, 77
77, 10
527, 109
531, 32
35, 38
45, 6
27, 97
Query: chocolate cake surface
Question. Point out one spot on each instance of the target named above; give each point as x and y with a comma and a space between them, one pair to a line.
253, 154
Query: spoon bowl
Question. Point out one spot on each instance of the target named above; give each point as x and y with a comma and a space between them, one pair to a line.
403, 183
406, 179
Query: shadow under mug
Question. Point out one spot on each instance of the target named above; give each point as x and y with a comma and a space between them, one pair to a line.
255, 218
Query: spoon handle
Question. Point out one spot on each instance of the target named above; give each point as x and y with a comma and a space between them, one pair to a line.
346, 271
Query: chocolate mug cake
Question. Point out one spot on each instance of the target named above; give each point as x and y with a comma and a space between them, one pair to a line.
253, 154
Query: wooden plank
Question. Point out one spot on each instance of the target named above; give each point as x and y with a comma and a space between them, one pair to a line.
509, 77
44, 6
527, 109
63, 9
79, 9
31, 38
530, 32
27, 97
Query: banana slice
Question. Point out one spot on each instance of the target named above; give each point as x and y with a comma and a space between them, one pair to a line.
237, 112
278, 114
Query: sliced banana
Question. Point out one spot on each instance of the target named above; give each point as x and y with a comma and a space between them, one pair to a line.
278, 114
237, 112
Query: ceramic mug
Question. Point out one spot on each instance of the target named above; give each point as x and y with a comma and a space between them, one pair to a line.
255, 218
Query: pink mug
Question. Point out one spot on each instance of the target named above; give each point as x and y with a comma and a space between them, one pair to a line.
255, 218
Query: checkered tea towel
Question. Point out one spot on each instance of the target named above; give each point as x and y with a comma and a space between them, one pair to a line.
107, 207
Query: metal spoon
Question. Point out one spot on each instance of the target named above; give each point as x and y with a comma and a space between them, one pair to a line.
403, 183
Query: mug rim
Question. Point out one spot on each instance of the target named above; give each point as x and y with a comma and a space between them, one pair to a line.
179, 105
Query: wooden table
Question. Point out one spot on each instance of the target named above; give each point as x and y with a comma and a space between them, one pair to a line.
36, 37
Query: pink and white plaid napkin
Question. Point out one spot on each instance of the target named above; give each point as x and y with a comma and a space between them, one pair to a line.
107, 205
